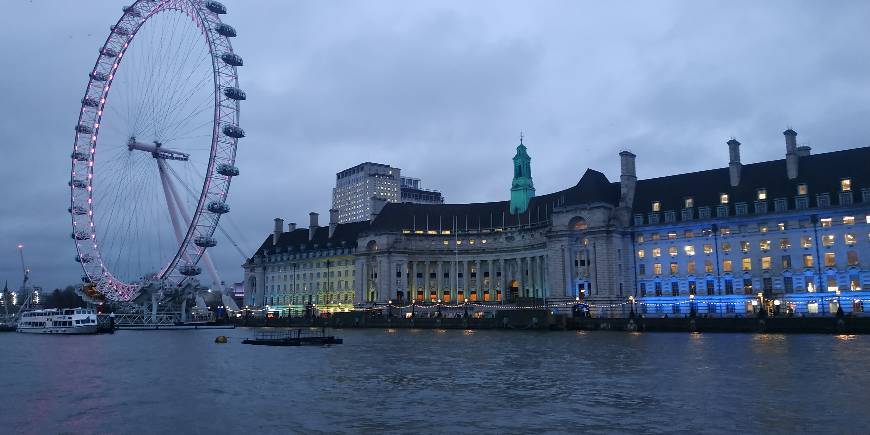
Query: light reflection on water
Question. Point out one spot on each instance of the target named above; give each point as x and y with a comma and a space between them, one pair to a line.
397, 380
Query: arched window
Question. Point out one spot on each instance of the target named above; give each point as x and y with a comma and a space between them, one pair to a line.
578, 224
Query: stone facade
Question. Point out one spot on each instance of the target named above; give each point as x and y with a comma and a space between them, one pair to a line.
791, 235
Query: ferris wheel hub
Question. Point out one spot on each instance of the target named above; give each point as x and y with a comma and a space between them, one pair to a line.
157, 150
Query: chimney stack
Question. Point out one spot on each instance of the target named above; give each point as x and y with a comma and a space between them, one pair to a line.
279, 228
791, 154
803, 151
291, 226
627, 179
734, 164
312, 224
333, 221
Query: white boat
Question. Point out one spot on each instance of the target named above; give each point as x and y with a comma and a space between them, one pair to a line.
59, 321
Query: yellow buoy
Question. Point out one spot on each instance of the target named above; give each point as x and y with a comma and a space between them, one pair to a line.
221, 339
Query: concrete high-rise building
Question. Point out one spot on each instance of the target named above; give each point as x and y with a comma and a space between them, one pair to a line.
356, 187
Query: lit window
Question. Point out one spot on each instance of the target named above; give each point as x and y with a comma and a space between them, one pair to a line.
708, 248
806, 242
445, 232
828, 240
657, 268
708, 266
674, 268
672, 235
639, 238
852, 258
808, 260
781, 226
762, 228
724, 231
744, 246
830, 259
657, 252
784, 244
846, 185
689, 202
471, 242
656, 236
690, 267
826, 222
483, 241
765, 263
726, 265
689, 249
640, 253
726, 247
446, 242
762, 194
848, 220
656, 206
802, 189
723, 198
850, 239
689, 234
747, 264
764, 245
672, 251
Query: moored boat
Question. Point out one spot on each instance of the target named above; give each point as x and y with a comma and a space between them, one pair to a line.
59, 321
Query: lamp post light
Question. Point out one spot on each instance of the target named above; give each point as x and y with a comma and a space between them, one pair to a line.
466, 308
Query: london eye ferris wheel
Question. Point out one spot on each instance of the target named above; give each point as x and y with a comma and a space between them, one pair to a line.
155, 147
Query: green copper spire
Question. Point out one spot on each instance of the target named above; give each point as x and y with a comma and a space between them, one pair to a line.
522, 188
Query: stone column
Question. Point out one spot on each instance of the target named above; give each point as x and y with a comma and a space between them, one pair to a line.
427, 286
438, 279
412, 286
478, 278
502, 281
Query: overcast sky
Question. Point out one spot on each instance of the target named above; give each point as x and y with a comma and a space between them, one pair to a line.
442, 89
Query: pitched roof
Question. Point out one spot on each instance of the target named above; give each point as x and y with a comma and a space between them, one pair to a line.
345, 236
592, 187
820, 172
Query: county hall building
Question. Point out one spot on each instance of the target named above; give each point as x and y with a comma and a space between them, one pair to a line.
791, 236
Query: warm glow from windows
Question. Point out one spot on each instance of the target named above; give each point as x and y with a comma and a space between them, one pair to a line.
726, 247
445, 232
802, 189
826, 222
724, 231
656, 236
656, 206
762, 228
689, 249
850, 239
848, 220
808, 260
806, 242
672, 251
765, 263
781, 226
674, 268
747, 264
762, 194
784, 244
764, 245
708, 266
689, 202
726, 265
657, 252
690, 267
830, 259
828, 240
657, 268
744, 246
639, 238
640, 253
708, 248
723, 198
846, 185
672, 235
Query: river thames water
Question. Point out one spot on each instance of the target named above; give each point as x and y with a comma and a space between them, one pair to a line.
431, 381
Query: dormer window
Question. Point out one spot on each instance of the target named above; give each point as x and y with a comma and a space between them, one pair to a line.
762, 194
689, 202
723, 198
656, 206
846, 185
802, 189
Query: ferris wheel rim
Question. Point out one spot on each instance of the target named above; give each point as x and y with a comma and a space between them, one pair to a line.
225, 133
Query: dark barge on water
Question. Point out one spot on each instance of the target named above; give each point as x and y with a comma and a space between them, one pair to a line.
298, 337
